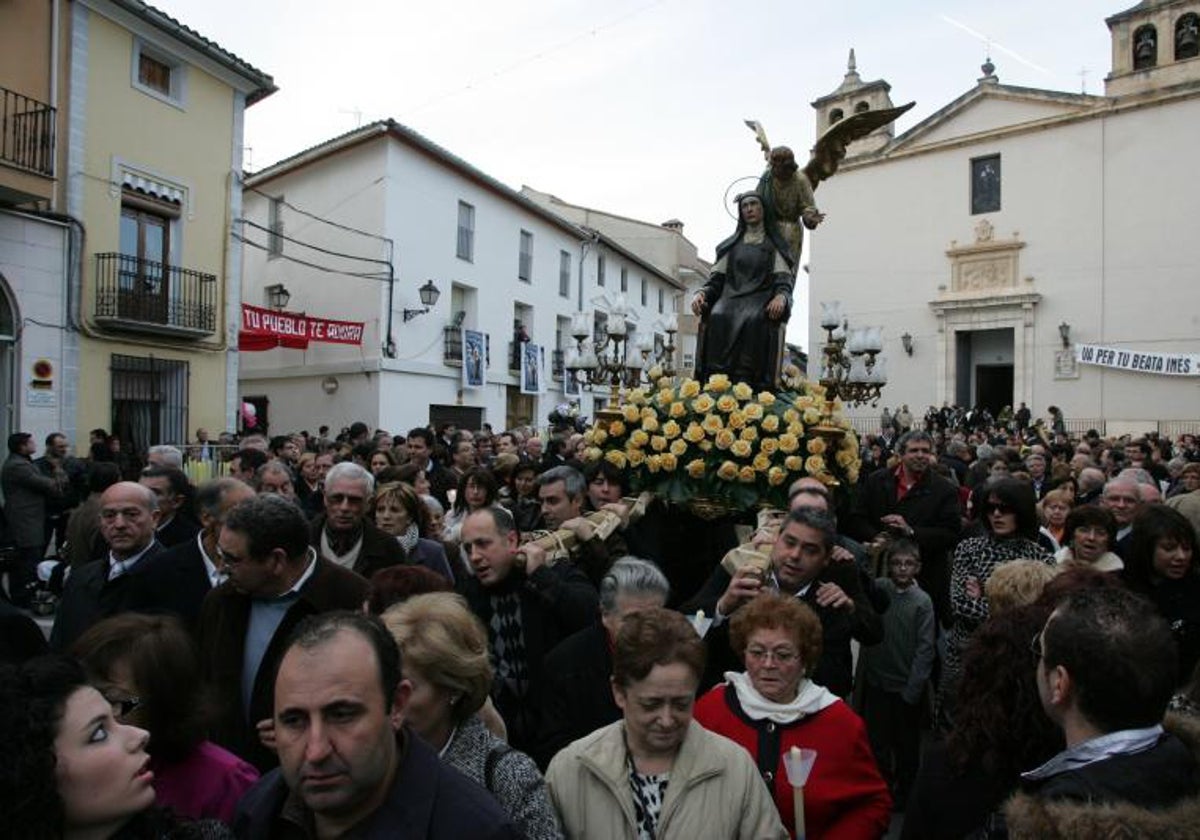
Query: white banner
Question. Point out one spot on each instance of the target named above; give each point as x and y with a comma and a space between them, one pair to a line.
1167, 364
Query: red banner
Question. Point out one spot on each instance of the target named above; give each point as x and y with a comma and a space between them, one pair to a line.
263, 329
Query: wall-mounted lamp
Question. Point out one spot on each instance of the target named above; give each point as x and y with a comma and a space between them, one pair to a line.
1064, 331
329, 385
278, 296
429, 296
906, 340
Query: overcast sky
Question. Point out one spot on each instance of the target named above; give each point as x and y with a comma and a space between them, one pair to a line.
631, 106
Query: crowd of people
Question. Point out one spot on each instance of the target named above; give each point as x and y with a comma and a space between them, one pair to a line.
462, 633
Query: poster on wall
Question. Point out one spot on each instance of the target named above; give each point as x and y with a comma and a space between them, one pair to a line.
571, 386
531, 368
473, 355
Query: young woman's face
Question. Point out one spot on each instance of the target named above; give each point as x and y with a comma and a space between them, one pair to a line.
524, 482
476, 496
1001, 516
1089, 542
379, 462
421, 484
102, 764
391, 517
1172, 558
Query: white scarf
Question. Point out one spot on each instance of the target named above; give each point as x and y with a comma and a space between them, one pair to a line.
347, 560
810, 699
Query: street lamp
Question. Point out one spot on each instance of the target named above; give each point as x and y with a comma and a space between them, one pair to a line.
852, 368
429, 294
278, 296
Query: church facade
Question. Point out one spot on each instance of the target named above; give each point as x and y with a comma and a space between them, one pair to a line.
1032, 245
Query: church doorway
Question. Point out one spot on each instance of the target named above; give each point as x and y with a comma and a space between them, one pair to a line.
984, 368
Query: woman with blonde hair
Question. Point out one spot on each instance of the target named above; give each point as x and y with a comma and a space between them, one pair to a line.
1053, 510
444, 656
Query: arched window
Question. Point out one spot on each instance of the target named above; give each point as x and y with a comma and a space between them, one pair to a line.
8, 358
861, 107
835, 116
1145, 47
1187, 36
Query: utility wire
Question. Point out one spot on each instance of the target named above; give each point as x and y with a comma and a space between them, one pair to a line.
303, 244
376, 275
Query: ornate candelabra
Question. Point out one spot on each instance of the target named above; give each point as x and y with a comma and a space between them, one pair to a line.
610, 362
851, 368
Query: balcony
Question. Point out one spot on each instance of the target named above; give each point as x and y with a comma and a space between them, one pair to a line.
452, 344
26, 133
557, 364
136, 295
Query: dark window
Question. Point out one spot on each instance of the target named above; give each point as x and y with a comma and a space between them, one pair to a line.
1187, 36
466, 232
154, 74
985, 184
862, 107
149, 401
643, 291
1145, 47
145, 242
835, 116
275, 223
564, 273
599, 269
600, 327
660, 300
525, 262
624, 280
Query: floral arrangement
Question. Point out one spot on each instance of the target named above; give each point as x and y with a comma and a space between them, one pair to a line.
720, 441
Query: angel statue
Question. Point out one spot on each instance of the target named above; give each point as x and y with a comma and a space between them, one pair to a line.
787, 191
745, 305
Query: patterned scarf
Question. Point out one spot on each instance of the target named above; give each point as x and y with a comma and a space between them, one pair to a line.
507, 638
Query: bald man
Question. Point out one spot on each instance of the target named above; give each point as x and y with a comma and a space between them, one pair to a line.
96, 590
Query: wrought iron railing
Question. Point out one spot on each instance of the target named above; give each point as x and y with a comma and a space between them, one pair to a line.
133, 293
452, 345
26, 132
556, 363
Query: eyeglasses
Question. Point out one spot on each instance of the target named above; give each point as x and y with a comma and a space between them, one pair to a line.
123, 707
999, 508
782, 656
1035, 646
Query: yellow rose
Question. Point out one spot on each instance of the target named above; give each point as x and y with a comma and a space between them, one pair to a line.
845, 459
655, 372
638, 438
749, 433
616, 428
769, 445
849, 443
694, 433
649, 424
636, 457
671, 430
812, 416
743, 391
791, 415
703, 404
599, 436
705, 445
816, 446
712, 424
766, 398
678, 447
788, 443
677, 410
695, 468
632, 414
776, 476
718, 383
746, 475
727, 471
689, 389
724, 439
761, 462
770, 423
753, 411
592, 453
658, 443
793, 463
795, 429
654, 463
726, 403
740, 448
648, 412
665, 396
814, 465
804, 401
736, 420
669, 462
589, 437
636, 397
615, 457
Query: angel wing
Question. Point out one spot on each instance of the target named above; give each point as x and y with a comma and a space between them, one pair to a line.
831, 146
760, 135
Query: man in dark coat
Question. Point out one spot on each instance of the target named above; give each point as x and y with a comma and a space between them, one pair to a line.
275, 581
26, 493
348, 767
177, 580
344, 534
105, 587
176, 525
915, 502
527, 606
56, 460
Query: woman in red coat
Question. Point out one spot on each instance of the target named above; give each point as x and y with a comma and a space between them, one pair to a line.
772, 707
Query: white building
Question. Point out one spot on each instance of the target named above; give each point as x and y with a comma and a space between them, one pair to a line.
1014, 226
411, 212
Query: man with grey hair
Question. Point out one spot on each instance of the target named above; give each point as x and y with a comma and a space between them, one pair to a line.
344, 534
562, 491
1122, 496
576, 694
1091, 485
164, 456
105, 587
276, 477
177, 580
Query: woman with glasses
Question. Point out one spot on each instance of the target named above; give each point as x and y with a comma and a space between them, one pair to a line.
147, 669
73, 768
773, 706
1010, 522
1089, 534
